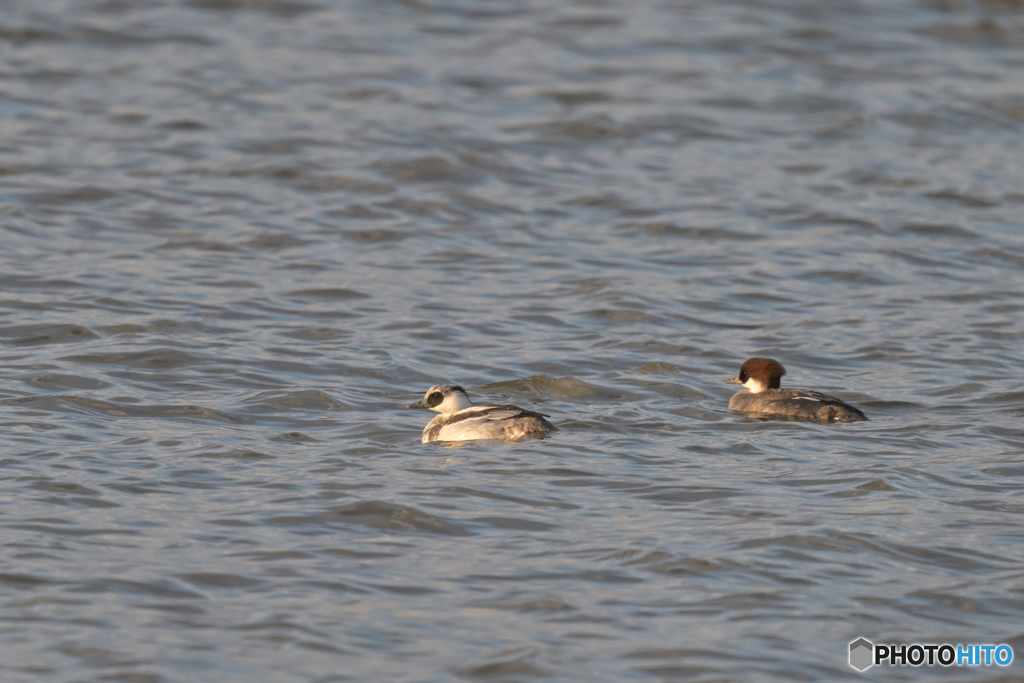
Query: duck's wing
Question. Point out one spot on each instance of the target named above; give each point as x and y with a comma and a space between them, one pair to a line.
805, 395
829, 407
492, 414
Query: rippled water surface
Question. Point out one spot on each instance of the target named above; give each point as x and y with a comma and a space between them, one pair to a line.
239, 235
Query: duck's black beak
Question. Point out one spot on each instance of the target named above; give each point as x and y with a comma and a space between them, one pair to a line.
418, 404
734, 380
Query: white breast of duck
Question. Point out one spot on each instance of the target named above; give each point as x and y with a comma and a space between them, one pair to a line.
460, 420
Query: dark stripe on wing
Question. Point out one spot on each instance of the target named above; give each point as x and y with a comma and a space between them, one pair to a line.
482, 411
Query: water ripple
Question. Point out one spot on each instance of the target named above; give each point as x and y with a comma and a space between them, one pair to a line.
240, 235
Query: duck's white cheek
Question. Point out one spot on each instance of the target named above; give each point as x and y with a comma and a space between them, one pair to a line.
451, 404
754, 386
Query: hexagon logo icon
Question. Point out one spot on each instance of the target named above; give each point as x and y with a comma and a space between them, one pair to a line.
861, 654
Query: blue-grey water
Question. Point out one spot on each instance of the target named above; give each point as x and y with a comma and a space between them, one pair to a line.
238, 236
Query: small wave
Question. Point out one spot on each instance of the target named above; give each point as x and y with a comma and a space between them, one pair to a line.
376, 514
57, 381
36, 335
560, 387
428, 170
309, 399
327, 293
154, 359
656, 368
62, 403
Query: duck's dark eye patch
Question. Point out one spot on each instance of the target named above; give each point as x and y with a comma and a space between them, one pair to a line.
743, 375
435, 399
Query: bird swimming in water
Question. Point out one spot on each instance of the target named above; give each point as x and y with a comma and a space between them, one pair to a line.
764, 397
460, 420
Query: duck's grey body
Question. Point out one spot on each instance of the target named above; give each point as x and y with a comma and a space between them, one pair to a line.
795, 404
460, 420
